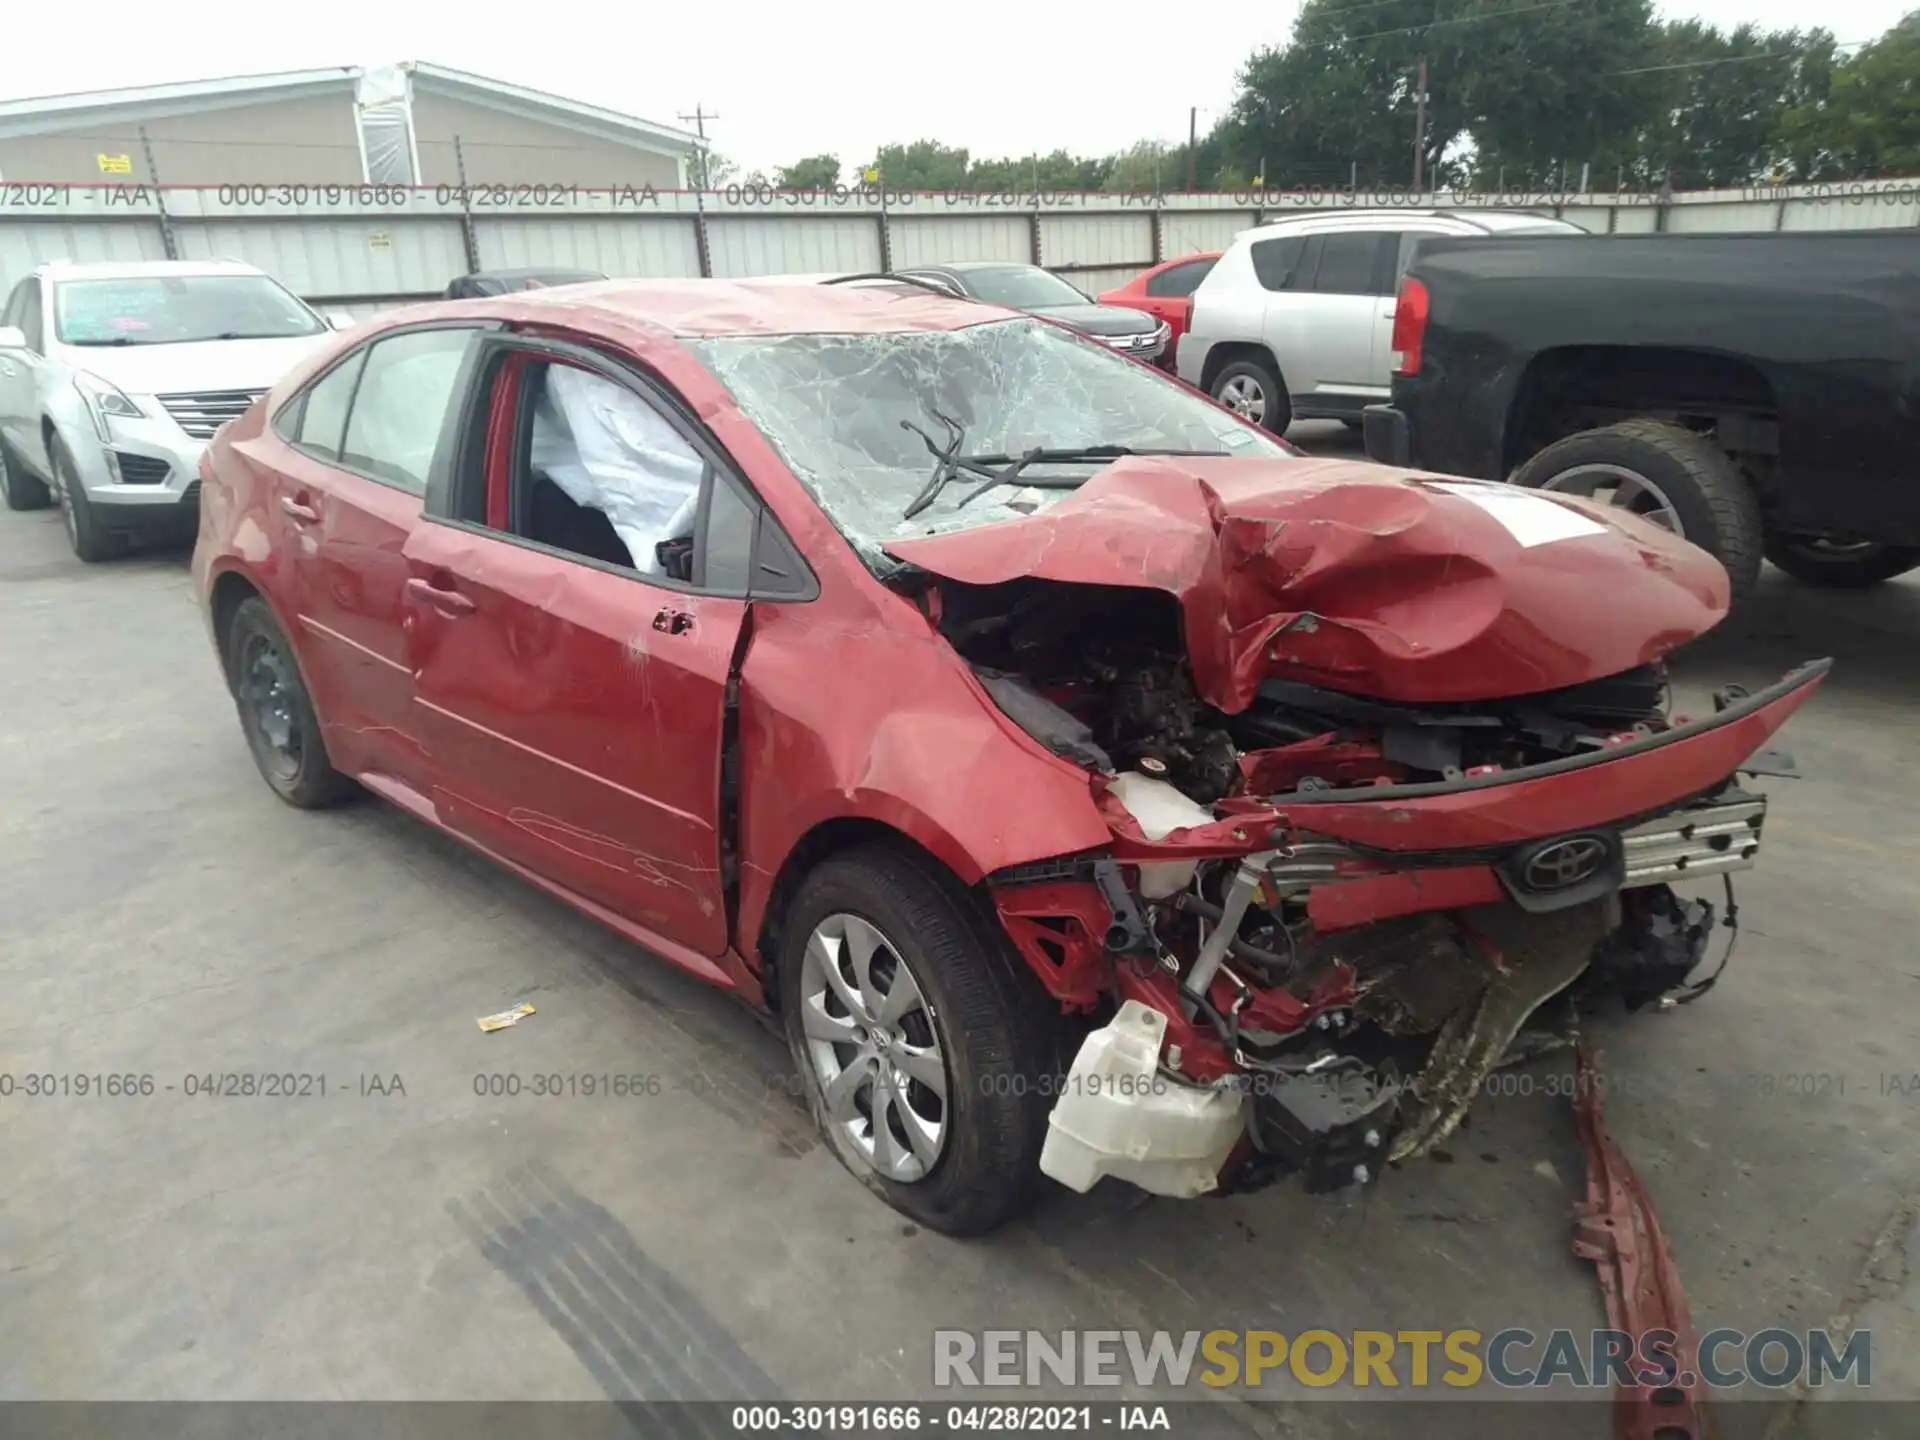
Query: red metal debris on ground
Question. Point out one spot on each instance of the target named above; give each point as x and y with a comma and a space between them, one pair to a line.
1615, 1227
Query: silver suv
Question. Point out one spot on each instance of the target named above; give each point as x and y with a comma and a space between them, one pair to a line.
113, 377
1296, 320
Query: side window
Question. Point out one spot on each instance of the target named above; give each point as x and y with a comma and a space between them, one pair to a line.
1349, 262
1409, 243
400, 407
727, 540
318, 419
1180, 281
605, 475
30, 318
1276, 262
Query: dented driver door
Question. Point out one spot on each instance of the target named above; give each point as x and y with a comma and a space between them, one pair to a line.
573, 708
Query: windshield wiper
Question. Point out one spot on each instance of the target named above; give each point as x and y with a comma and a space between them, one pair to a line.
952, 464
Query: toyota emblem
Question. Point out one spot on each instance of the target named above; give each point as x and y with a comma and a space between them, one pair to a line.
1566, 863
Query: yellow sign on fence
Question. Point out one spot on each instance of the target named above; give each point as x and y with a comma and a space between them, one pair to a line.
115, 164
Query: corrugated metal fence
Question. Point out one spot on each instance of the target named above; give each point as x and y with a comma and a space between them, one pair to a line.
368, 248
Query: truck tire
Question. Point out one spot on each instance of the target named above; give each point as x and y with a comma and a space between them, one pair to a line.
899, 994
1840, 567
1658, 469
1254, 391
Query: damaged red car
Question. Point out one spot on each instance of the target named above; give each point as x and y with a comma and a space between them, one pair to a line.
1094, 785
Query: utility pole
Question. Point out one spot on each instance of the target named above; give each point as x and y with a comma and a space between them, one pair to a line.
1193, 143
1420, 130
700, 116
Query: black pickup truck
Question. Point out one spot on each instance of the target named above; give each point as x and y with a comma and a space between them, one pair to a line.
1758, 393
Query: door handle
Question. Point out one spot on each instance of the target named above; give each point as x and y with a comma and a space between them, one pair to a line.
7, 369
448, 602
299, 510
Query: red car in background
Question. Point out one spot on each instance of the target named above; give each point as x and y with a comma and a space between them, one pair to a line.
982, 703
1166, 292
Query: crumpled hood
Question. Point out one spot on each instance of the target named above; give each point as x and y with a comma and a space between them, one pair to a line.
1360, 578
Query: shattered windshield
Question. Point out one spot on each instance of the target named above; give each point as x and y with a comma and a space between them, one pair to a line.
850, 414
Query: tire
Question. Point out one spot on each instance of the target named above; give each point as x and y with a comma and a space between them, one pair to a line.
1263, 389
1852, 567
271, 697
91, 540
1710, 501
21, 490
996, 1031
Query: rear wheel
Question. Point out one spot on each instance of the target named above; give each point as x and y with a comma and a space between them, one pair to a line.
21, 490
1254, 392
1668, 475
1840, 565
276, 713
922, 1040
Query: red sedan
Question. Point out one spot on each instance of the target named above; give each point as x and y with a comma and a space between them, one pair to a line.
985, 705
1166, 292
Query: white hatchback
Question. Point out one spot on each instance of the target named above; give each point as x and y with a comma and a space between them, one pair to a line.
113, 377
1295, 321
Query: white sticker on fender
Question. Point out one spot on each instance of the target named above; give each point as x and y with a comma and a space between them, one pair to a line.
1530, 519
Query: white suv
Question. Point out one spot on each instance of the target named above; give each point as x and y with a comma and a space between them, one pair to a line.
113, 377
1295, 321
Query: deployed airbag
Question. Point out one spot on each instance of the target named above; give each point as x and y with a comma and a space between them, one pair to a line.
611, 451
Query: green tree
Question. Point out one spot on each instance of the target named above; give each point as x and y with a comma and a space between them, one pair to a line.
1149, 167
1717, 115
923, 165
1867, 125
814, 172
709, 169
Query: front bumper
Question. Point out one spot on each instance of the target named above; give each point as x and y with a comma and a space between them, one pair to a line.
145, 473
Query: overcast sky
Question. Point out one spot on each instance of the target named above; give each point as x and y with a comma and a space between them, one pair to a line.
1001, 77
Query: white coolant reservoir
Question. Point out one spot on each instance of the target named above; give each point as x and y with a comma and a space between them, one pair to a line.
1159, 809
1121, 1117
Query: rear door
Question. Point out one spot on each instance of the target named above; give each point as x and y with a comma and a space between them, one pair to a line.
572, 657
1169, 295
358, 446
1336, 309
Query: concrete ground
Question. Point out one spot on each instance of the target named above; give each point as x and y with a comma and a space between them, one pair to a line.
403, 1237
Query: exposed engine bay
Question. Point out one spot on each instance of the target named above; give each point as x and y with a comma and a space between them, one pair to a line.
1290, 995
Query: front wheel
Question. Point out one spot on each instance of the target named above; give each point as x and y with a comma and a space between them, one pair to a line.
1839, 565
1665, 474
21, 490
923, 1043
91, 540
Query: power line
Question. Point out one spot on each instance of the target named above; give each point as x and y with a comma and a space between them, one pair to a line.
1731, 59
1438, 24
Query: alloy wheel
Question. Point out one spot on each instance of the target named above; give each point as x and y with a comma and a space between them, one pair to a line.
873, 1047
1621, 487
1244, 397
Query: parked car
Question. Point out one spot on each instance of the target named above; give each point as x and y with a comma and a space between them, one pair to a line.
1753, 393
1293, 322
1041, 292
1166, 293
114, 376
967, 694
499, 282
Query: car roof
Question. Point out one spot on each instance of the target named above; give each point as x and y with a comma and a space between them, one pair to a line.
698, 309
1485, 221
140, 269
